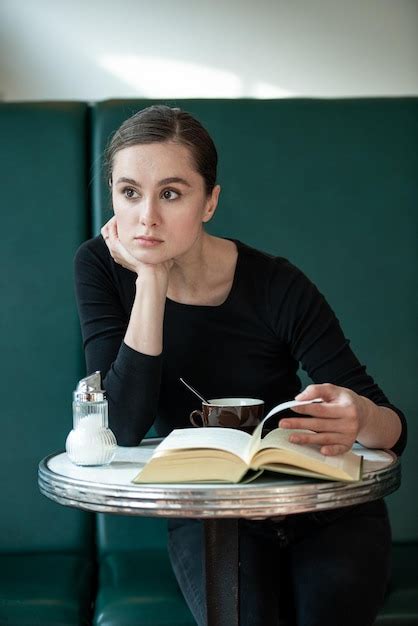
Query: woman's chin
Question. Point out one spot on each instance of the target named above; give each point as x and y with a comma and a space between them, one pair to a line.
150, 255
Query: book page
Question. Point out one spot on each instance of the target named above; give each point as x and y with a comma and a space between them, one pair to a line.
175, 467
289, 405
229, 439
254, 442
276, 448
256, 436
279, 438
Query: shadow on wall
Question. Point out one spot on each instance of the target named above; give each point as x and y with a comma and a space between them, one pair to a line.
94, 51
156, 77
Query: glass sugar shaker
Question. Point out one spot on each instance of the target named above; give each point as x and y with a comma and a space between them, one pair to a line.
91, 442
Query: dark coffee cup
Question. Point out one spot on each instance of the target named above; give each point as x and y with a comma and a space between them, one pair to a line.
241, 413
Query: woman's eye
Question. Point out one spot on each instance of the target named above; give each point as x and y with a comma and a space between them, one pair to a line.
170, 194
128, 192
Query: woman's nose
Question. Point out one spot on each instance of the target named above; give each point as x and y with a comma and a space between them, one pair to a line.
149, 214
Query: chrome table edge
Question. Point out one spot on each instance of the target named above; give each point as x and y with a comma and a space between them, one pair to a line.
252, 500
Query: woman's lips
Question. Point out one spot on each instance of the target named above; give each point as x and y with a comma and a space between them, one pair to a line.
148, 242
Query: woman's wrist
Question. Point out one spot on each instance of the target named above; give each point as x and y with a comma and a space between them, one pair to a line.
380, 426
152, 281
145, 328
154, 276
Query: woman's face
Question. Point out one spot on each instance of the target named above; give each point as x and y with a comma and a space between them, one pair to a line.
159, 201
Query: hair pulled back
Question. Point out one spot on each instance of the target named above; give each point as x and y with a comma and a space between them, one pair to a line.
161, 123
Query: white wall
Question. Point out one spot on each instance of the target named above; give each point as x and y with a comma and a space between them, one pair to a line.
97, 49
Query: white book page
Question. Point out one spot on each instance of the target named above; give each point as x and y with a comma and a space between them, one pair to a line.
229, 439
256, 436
290, 405
279, 438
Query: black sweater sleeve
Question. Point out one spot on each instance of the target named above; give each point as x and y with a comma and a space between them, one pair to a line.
130, 378
316, 341
297, 313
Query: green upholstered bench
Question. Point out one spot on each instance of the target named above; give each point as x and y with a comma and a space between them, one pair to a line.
331, 185
401, 604
46, 551
136, 583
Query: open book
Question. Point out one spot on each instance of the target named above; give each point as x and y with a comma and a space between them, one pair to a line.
226, 455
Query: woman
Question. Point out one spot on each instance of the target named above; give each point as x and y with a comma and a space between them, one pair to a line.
159, 298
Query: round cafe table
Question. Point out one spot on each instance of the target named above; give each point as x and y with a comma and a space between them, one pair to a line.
109, 489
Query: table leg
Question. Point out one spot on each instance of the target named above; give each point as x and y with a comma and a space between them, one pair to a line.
221, 565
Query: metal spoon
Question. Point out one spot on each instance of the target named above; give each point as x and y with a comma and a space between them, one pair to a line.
194, 391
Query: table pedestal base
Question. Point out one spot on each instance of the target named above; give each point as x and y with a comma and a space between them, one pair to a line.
222, 571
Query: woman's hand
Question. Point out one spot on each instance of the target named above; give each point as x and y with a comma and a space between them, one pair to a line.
336, 421
120, 254
145, 329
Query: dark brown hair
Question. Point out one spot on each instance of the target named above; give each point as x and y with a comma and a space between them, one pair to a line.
160, 123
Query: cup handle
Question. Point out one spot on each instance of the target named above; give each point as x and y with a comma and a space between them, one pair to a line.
193, 414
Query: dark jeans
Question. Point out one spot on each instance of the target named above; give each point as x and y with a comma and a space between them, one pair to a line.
321, 569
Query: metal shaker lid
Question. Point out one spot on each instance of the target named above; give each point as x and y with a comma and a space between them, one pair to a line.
89, 389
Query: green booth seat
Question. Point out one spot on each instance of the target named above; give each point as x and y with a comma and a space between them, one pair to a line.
46, 550
401, 604
45, 589
136, 584
332, 185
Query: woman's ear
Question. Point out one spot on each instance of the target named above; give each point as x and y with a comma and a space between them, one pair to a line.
211, 204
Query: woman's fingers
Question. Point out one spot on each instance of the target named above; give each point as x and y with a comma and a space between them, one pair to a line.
335, 422
105, 229
334, 450
113, 228
319, 439
331, 418
311, 423
322, 409
110, 232
327, 391
330, 443
346, 427
123, 257
117, 251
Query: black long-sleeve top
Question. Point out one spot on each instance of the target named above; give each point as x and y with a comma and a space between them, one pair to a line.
249, 346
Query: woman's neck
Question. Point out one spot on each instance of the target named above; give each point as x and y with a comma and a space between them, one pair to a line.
205, 275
